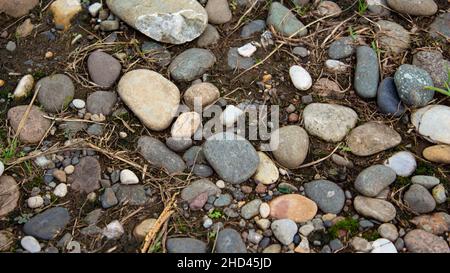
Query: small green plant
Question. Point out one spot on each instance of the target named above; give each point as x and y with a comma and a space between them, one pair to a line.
352, 33
39, 74
215, 214
345, 149
212, 235
424, 169
350, 225
9, 152
301, 10
446, 89
371, 235
23, 218
362, 7
375, 47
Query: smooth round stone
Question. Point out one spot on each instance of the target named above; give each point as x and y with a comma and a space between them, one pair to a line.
284, 230
388, 100
156, 104
251, 209
252, 28
134, 195
383, 246
218, 11
199, 202
202, 94
329, 197
186, 125
366, 72
18, 8
372, 138
209, 37
342, 48
436, 223
141, 230
197, 187
94, 9
223, 200
79, 104
426, 181
69, 169
290, 145
60, 190
342, 161
439, 194
301, 51
178, 144
273, 248
388, 231
330, 122
284, 21
374, 179
420, 241
247, 50
377, 209
194, 155
236, 61
434, 63
267, 172
101, 102
264, 210
103, 68
403, 163
48, 224
230, 241
24, 87
293, 206
86, 176
113, 230
328, 8
55, 92
328, 88
30, 244
378, 7
419, 199
185, 245
170, 21
414, 7
232, 157
128, 177
361, 244
393, 37
220, 184
35, 202
441, 26
300, 78
108, 198
411, 82
191, 64
433, 123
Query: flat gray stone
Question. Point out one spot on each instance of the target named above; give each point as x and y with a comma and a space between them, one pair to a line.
329, 197
374, 179
48, 224
230, 241
366, 72
55, 92
191, 64
185, 245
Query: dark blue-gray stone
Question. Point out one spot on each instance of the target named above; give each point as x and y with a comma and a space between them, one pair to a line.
236, 61
202, 170
230, 241
194, 155
48, 224
342, 48
232, 157
367, 72
284, 21
441, 26
133, 194
253, 27
178, 144
154, 151
387, 98
223, 200
329, 197
191, 64
411, 82
185, 245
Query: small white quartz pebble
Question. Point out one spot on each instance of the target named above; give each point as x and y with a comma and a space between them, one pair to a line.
335, 66
79, 104
264, 210
247, 50
123, 135
128, 177
300, 77
30, 244
230, 115
35, 202
2, 168
94, 9
220, 184
113, 230
60, 190
69, 169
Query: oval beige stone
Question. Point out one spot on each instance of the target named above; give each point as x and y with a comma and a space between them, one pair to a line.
186, 125
377, 209
141, 230
152, 98
438, 153
293, 206
290, 145
206, 93
34, 127
9, 195
372, 138
267, 172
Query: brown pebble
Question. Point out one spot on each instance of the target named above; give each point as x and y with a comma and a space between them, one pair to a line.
60, 175
261, 188
246, 189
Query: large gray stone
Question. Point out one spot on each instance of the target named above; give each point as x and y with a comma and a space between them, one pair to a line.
367, 72
342, 48
411, 82
419, 199
55, 92
101, 102
230, 241
284, 21
329, 197
290, 145
103, 68
414, 7
420, 241
191, 64
48, 224
374, 179
393, 37
441, 26
434, 63
377, 209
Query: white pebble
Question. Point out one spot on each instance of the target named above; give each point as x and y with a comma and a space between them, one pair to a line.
264, 210
35, 202
2, 168
220, 184
60, 190
282, 171
24, 87
403, 163
30, 244
123, 135
79, 104
300, 77
335, 66
207, 223
383, 246
42, 161
128, 177
69, 169
113, 230
247, 50
94, 9
230, 115
305, 230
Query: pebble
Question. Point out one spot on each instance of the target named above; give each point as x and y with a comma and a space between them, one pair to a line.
300, 78
342, 48
162, 56
264, 210
284, 21
220, 184
134, 195
47, 224
411, 82
414, 7
328, 196
434, 63
426, 181
95, 130
191, 64
103, 68
18, 9
101, 102
439, 194
223, 200
86, 177
383, 246
218, 11
69, 169
388, 100
231, 115
290, 145
35, 202
377, 209
284, 230
371, 138
204, 94
185, 245
141, 230
11, 46
55, 92
2, 168
252, 28
94, 9
197, 187
247, 50
301, 51
30, 244
403, 163
35, 126
114, 230
230, 241
420, 241
209, 37
24, 87
60, 190
388, 231
366, 72
361, 244
267, 172
305, 230
419, 199
336, 66
293, 206
432, 123
392, 37
342, 161
436, 223
440, 25
251, 209
236, 61
202, 170
374, 179
328, 8
63, 11
378, 7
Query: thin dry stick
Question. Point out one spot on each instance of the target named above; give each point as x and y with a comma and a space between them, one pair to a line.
165, 215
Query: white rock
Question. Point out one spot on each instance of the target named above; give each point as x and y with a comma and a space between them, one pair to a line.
263, 224
403, 163
42, 161
247, 50
305, 230
230, 115
383, 246
335, 66
300, 77
433, 122
264, 210
267, 172
207, 223
35, 202
220, 184
30, 244
439, 194
24, 87
60, 190
113, 230
123, 134
79, 104
94, 9
254, 237
284, 230
186, 125
69, 169
128, 177
2, 168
